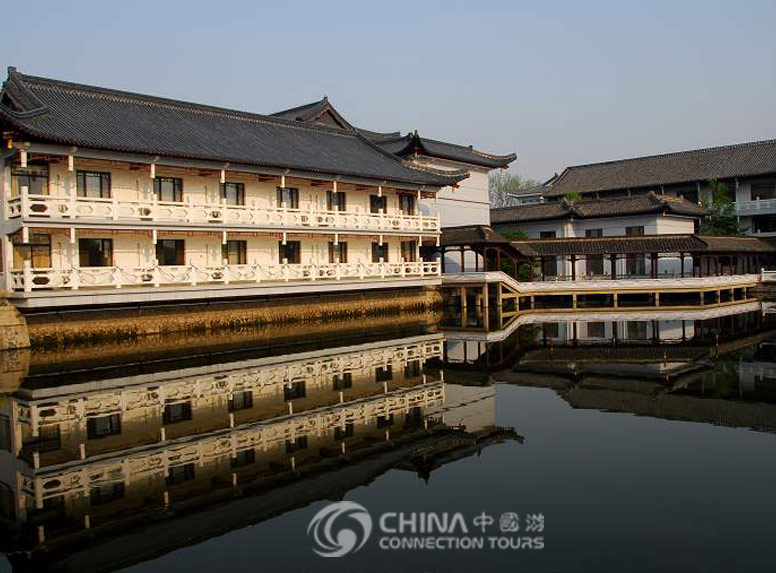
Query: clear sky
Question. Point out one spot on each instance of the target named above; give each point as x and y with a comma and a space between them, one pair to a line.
560, 83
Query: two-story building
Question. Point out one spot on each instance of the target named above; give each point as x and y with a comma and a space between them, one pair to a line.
747, 169
111, 197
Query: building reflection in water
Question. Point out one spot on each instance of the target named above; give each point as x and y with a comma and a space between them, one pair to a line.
716, 366
91, 454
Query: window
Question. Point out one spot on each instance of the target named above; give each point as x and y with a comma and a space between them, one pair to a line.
335, 201
763, 190
412, 369
385, 421
93, 184
635, 265
637, 330
174, 413
407, 204
384, 373
596, 329
168, 189
95, 252
549, 266
378, 204
178, 474
409, 251
342, 432
288, 197
634, 231
342, 381
241, 401
414, 417
106, 493
551, 330
37, 251
243, 458
291, 252
379, 252
171, 252
235, 252
592, 233
300, 443
547, 234
35, 178
338, 253
234, 193
103, 426
595, 264
294, 391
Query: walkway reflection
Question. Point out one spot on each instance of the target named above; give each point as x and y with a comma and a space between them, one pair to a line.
716, 366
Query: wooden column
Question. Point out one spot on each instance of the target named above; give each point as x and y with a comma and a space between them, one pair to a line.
613, 262
653, 265
573, 268
542, 263
681, 265
463, 260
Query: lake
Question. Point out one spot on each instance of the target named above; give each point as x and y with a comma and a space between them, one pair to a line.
601, 442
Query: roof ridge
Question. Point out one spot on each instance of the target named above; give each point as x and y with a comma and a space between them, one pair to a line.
298, 107
677, 153
468, 148
171, 103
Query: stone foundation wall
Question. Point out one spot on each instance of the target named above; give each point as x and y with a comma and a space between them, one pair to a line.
13, 328
53, 329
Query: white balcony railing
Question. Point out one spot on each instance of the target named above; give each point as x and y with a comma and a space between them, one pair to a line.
72, 208
29, 279
759, 206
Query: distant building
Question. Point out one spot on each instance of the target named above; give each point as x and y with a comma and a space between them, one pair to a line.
647, 214
528, 196
748, 170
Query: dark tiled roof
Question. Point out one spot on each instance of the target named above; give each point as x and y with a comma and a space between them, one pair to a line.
741, 160
480, 236
645, 244
323, 112
412, 143
85, 116
471, 235
635, 205
724, 244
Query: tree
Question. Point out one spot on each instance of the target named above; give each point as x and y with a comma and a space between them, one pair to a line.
502, 184
572, 197
722, 219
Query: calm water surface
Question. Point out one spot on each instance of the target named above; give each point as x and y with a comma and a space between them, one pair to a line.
644, 443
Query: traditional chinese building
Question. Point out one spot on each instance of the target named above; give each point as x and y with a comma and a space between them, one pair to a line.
111, 197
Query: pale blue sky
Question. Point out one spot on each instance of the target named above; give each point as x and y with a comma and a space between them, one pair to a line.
560, 83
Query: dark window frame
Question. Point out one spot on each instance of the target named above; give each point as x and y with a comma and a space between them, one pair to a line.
379, 250
105, 246
82, 178
338, 253
233, 192
293, 248
244, 402
177, 189
377, 202
171, 415
179, 251
290, 193
113, 428
336, 201
18, 173
235, 252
